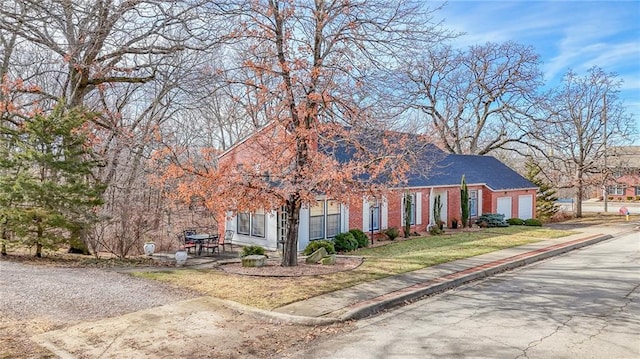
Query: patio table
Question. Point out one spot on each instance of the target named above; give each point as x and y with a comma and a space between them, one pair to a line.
199, 239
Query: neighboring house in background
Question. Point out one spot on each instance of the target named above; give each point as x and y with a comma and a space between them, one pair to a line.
623, 164
493, 188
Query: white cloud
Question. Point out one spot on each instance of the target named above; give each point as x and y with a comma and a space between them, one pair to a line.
573, 35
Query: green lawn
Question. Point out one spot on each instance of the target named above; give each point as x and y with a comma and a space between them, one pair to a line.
393, 258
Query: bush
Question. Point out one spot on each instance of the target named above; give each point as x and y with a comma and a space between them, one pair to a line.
492, 220
251, 250
360, 237
629, 198
515, 221
345, 242
533, 222
436, 231
315, 245
392, 233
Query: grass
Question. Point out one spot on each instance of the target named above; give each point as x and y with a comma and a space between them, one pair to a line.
380, 262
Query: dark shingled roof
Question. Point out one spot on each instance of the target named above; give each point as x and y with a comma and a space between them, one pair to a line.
476, 169
448, 168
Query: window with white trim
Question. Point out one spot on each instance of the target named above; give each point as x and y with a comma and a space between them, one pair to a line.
333, 219
637, 190
473, 204
257, 224
374, 215
324, 219
616, 190
251, 224
413, 209
244, 223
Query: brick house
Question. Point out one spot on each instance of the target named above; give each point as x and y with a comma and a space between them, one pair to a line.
493, 188
623, 165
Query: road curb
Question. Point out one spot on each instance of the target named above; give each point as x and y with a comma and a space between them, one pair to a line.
409, 294
437, 285
275, 317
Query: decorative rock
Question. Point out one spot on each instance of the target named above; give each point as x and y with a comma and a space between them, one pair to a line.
328, 260
317, 256
254, 260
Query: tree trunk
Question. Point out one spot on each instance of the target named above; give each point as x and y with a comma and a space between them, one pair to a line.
580, 191
290, 256
407, 214
3, 249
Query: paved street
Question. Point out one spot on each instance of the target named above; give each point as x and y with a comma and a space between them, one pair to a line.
585, 304
612, 207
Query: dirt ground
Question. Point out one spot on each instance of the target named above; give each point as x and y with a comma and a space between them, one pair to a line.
219, 334
213, 331
113, 315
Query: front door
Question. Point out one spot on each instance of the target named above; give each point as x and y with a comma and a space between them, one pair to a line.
283, 219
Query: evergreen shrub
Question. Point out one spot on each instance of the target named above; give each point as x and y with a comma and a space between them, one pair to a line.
315, 245
515, 221
251, 250
360, 236
344, 242
392, 233
533, 222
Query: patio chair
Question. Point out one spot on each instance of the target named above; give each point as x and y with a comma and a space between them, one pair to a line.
185, 242
227, 239
211, 244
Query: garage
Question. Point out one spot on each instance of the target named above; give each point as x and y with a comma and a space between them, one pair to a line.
504, 206
525, 206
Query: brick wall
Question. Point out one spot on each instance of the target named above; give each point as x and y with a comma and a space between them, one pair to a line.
355, 215
490, 201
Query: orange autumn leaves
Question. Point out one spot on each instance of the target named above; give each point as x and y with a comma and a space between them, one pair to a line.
261, 171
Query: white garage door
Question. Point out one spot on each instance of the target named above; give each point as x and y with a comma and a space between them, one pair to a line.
504, 206
525, 207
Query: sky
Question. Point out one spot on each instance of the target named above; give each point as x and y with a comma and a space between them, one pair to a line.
567, 34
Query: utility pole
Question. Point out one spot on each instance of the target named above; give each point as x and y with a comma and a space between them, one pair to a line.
606, 170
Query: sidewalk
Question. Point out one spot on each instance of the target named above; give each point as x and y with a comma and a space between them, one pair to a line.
369, 298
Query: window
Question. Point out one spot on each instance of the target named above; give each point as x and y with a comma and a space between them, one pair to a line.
251, 224
257, 224
412, 215
473, 203
316, 221
374, 216
333, 218
637, 190
616, 190
324, 220
244, 223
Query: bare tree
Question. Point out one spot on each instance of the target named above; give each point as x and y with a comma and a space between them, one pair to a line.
583, 116
131, 61
478, 100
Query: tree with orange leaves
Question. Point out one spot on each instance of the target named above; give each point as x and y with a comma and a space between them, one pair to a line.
322, 74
